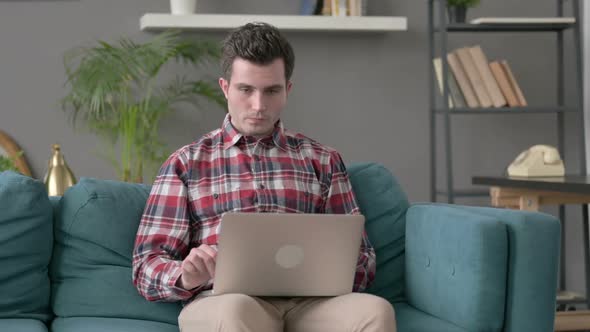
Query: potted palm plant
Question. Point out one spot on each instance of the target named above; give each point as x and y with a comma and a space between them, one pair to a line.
113, 89
457, 9
8, 163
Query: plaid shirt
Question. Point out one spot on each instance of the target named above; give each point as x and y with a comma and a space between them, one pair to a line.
226, 171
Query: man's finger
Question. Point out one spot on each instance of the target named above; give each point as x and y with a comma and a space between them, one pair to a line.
210, 251
208, 262
192, 266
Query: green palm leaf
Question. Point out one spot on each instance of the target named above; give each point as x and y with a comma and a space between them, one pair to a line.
113, 91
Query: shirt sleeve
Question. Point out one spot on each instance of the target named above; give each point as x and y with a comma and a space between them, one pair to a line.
341, 200
163, 235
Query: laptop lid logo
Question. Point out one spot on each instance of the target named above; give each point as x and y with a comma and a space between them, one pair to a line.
289, 256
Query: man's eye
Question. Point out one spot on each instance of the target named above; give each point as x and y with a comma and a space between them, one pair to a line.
245, 90
273, 91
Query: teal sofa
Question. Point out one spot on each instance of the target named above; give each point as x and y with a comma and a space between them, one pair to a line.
65, 263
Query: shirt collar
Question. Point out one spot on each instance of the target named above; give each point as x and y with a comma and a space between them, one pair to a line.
231, 136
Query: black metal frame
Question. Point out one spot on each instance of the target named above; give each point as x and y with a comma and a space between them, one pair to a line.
443, 29
560, 109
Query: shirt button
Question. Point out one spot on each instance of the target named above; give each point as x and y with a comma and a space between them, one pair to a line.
256, 158
255, 200
215, 195
306, 193
261, 186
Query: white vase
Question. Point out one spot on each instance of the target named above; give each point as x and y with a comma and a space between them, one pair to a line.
183, 7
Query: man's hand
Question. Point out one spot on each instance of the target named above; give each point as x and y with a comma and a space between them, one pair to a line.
198, 267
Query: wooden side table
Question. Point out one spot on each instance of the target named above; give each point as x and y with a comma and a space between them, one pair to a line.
530, 193
530, 200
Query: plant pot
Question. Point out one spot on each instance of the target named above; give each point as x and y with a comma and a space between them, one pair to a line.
183, 7
457, 14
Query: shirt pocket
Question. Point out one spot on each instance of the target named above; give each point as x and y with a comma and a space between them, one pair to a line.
302, 193
209, 202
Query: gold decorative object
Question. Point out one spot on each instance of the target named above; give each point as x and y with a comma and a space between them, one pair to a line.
59, 177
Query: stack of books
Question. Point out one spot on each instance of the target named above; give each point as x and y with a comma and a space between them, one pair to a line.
474, 82
334, 7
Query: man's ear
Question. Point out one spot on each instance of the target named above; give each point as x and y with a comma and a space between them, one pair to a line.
224, 85
289, 85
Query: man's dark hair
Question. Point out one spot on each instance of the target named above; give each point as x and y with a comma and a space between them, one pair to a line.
260, 43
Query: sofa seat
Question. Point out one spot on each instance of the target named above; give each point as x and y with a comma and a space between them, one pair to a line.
22, 325
98, 324
410, 319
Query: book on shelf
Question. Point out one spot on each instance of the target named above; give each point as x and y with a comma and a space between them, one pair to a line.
466, 60
504, 83
523, 20
339, 8
473, 81
357, 7
327, 8
352, 8
437, 62
311, 7
455, 97
481, 63
343, 7
513, 84
455, 92
462, 81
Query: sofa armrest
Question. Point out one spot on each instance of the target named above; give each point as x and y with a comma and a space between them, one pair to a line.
456, 264
533, 265
483, 268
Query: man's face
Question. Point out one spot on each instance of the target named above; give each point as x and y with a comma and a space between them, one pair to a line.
256, 95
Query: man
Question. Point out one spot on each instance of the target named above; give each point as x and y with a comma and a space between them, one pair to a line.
250, 164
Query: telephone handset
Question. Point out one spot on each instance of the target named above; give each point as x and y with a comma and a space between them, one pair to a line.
538, 160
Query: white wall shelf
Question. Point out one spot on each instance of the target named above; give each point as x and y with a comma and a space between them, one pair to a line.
156, 22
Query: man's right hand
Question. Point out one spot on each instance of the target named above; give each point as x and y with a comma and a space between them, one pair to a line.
198, 267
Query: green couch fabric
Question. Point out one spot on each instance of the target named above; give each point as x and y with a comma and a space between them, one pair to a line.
26, 243
459, 258
22, 325
384, 204
91, 269
410, 319
98, 324
532, 266
96, 221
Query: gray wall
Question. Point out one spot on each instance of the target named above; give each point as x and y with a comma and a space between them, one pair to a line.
364, 94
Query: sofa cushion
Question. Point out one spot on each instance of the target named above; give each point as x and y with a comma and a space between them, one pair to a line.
26, 243
410, 319
459, 259
22, 325
99, 324
94, 236
384, 205
533, 260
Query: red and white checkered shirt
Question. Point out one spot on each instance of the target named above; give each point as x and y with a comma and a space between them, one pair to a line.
226, 171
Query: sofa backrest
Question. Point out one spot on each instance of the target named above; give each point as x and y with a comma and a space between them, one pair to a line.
384, 204
26, 243
95, 230
97, 221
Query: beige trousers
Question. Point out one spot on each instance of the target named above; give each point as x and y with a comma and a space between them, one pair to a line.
237, 312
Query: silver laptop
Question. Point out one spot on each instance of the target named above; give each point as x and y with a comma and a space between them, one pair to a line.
287, 254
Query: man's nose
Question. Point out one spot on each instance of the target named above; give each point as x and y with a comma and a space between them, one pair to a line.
258, 102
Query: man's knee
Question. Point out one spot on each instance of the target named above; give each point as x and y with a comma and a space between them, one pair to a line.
384, 312
375, 311
228, 305
231, 311
236, 305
